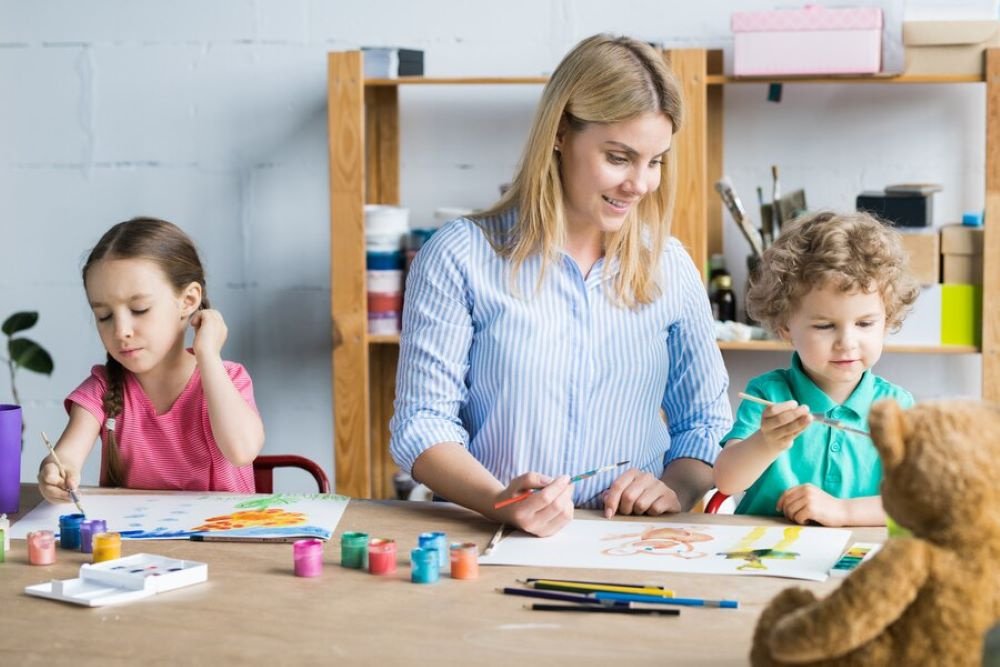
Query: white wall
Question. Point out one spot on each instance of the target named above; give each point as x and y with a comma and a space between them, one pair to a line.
211, 113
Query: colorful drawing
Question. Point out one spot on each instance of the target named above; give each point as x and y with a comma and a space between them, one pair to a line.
182, 515
781, 550
660, 541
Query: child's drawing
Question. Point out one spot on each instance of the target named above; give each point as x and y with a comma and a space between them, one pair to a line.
179, 516
779, 550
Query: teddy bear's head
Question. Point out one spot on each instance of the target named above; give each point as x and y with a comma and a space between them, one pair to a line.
941, 462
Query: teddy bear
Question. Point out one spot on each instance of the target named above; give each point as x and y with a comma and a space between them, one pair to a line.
924, 599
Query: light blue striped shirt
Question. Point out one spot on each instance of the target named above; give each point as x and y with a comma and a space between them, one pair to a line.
555, 378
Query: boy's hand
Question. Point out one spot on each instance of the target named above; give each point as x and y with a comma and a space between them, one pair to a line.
53, 485
782, 422
544, 512
210, 332
810, 503
638, 492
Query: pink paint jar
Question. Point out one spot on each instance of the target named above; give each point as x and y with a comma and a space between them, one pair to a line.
381, 556
41, 547
308, 557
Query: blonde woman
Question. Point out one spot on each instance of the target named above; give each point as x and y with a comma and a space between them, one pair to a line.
541, 338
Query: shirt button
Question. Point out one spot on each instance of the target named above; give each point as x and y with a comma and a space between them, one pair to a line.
835, 447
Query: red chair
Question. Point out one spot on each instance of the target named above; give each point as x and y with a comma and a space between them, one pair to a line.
715, 502
263, 471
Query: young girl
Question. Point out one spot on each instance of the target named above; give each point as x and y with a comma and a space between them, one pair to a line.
833, 286
168, 417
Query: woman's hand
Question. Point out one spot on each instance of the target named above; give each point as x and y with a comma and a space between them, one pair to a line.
638, 492
210, 332
545, 512
53, 485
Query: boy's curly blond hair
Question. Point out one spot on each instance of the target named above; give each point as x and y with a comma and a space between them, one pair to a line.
853, 251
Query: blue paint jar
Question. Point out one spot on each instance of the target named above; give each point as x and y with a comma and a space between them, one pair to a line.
437, 541
69, 531
424, 566
88, 529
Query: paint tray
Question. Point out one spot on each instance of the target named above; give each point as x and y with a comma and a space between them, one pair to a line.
122, 580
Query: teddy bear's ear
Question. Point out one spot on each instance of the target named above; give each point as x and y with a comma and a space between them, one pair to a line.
888, 427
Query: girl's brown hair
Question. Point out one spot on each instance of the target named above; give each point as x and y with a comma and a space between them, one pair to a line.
852, 251
166, 245
604, 79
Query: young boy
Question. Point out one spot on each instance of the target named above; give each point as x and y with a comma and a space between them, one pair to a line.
832, 285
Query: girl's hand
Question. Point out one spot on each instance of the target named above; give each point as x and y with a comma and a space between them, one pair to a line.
209, 332
53, 485
782, 422
544, 512
810, 503
639, 492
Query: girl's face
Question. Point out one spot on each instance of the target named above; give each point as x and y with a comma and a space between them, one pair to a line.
838, 335
140, 316
607, 169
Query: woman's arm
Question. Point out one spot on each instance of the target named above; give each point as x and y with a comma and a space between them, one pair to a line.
73, 447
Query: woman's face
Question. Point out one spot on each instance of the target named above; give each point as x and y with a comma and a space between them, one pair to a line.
607, 168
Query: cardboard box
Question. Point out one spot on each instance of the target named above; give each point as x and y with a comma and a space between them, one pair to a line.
961, 240
812, 40
962, 269
922, 325
961, 315
948, 47
924, 249
962, 254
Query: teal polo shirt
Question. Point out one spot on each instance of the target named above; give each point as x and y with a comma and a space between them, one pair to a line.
842, 464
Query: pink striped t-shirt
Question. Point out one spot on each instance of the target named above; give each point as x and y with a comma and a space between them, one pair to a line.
171, 451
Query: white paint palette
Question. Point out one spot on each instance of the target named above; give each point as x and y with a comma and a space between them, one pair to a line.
122, 580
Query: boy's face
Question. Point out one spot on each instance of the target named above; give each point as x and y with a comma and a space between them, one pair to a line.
838, 336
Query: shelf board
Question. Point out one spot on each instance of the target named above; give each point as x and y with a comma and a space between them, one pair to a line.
719, 79
779, 346
456, 80
383, 339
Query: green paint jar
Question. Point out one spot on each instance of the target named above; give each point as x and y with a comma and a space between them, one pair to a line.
354, 550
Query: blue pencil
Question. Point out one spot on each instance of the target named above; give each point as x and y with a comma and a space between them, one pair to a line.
685, 602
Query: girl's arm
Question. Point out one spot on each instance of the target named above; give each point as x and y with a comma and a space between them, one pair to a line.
453, 473
236, 426
73, 447
741, 462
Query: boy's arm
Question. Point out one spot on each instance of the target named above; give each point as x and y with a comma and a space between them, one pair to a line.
741, 462
73, 447
805, 502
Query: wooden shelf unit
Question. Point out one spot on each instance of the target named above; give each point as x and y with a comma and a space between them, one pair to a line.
363, 135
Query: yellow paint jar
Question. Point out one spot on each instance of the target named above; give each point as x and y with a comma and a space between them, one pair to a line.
107, 546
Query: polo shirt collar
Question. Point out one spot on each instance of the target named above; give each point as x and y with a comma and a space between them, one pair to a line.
808, 393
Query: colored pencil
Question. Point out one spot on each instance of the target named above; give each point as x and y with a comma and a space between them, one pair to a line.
832, 423
604, 610
572, 480
594, 588
684, 602
594, 583
55, 458
580, 598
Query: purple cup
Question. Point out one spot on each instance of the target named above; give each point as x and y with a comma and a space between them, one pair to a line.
10, 458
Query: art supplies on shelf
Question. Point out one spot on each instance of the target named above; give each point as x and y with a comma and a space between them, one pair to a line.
122, 580
389, 63
856, 555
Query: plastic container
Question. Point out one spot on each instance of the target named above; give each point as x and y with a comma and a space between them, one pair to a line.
41, 547
107, 546
88, 529
354, 550
425, 566
69, 531
381, 556
308, 557
464, 560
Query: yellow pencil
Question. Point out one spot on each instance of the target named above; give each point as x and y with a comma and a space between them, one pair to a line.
55, 459
556, 585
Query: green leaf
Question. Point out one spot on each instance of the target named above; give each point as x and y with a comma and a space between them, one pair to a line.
30, 355
19, 322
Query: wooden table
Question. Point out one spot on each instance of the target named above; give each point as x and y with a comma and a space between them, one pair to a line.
253, 610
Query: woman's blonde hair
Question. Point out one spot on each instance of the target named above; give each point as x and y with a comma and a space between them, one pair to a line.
604, 79
854, 252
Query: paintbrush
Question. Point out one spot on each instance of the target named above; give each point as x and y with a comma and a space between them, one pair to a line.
55, 458
735, 207
832, 423
776, 202
572, 480
495, 540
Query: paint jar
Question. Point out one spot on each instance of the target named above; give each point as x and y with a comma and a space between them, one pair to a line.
381, 556
425, 568
308, 557
354, 550
88, 529
3, 548
106, 546
439, 542
69, 531
41, 547
464, 560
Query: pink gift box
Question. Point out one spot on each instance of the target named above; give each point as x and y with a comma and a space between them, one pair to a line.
808, 41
